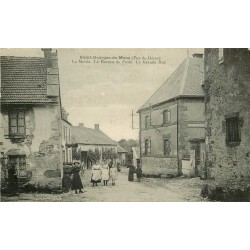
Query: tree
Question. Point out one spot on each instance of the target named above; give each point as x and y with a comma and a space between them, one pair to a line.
94, 156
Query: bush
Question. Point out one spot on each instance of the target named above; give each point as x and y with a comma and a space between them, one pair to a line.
226, 194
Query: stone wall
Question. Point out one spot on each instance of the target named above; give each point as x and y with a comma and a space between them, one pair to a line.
227, 91
159, 166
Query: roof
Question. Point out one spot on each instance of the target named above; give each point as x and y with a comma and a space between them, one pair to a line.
89, 136
184, 82
121, 149
136, 151
23, 80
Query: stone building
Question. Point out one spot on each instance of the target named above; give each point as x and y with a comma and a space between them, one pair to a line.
85, 139
172, 132
227, 104
30, 133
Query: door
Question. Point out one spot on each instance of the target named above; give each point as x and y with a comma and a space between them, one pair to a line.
196, 147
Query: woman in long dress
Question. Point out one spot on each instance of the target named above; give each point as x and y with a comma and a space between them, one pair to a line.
105, 173
96, 174
76, 181
113, 174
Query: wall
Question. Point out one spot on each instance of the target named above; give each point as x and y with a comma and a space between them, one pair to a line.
42, 144
191, 128
227, 87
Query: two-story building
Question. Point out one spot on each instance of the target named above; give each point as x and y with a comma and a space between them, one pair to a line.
227, 102
172, 132
30, 128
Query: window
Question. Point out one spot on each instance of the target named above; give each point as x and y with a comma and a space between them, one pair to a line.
17, 122
232, 129
147, 121
166, 147
147, 147
69, 135
64, 133
19, 161
166, 117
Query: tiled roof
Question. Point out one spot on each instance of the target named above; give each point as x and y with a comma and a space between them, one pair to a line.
121, 149
185, 81
82, 135
23, 80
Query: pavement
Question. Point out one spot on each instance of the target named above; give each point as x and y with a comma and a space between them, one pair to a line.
148, 190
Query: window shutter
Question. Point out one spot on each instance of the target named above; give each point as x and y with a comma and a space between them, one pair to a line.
169, 116
6, 125
143, 147
149, 147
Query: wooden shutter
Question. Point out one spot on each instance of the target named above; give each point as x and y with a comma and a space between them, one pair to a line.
149, 147
143, 148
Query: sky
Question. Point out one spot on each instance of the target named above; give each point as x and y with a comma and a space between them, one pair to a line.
102, 91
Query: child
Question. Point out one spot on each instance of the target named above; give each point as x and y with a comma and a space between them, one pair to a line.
96, 174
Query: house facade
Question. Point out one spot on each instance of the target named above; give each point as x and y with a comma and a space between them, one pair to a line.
172, 132
30, 133
85, 139
227, 91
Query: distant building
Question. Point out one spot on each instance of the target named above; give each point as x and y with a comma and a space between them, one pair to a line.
122, 155
227, 92
84, 139
172, 133
30, 132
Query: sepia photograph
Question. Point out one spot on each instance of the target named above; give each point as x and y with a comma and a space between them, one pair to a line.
125, 125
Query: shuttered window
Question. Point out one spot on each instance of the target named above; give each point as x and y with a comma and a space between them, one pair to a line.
17, 122
166, 117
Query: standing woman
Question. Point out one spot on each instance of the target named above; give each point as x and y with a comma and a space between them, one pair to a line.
96, 174
105, 173
113, 174
76, 181
131, 173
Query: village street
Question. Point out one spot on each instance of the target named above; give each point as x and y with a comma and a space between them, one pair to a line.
149, 189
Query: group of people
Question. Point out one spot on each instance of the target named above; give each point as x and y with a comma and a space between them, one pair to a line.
103, 171
137, 171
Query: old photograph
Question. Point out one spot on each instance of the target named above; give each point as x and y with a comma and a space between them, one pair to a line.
125, 125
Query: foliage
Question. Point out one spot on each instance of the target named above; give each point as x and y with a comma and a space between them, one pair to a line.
128, 144
109, 155
94, 156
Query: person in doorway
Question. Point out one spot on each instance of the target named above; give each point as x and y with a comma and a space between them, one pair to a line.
105, 173
12, 180
113, 174
76, 181
96, 174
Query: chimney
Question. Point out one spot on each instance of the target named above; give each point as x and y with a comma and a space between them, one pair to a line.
52, 73
51, 58
81, 125
96, 126
197, 55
